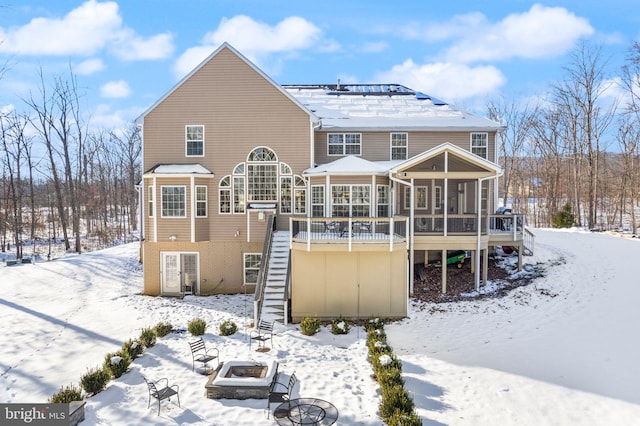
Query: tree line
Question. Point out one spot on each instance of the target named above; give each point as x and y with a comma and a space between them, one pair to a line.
577, 148
59, 179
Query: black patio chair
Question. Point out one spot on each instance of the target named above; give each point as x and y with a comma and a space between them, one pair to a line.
160, 392
280, 392
200, 353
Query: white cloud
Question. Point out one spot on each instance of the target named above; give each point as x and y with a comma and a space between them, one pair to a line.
131, 47
85, 30
375, 47
256, 40
88, 67
447, 81
115, 89
540, 32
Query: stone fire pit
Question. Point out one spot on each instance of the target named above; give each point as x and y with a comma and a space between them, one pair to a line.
242, 380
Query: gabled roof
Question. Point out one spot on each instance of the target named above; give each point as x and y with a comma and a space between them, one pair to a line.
349, 166
175, 170
223, 46
449, 148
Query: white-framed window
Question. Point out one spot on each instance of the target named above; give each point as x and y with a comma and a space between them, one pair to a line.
174, 201
251, 267
437, 197
480, 144
399, 146
201, 201
238, 194
300, 195
382, 200
150, 205
483, 199
351, 200
285, 194
224, 195
344, 144
407, 198
421, 197
317, 200
194, 137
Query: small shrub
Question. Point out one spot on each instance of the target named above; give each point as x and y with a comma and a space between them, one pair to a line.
65, 395
162, 329
133, 347
227, 328
564, 218
399, 418
197, 327
339, 326
95, 380
148, 337
374, 324
383, 362
117, 363
309, 326
390, 377
395, 399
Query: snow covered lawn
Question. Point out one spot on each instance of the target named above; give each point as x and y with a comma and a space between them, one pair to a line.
562, 350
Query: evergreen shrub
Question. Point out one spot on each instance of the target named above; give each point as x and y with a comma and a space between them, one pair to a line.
197, 327
309, 326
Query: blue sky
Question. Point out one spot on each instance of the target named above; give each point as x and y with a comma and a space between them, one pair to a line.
127, 54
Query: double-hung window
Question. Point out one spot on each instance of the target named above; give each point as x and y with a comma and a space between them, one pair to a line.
480, 144
150, 206
251, 268
317, 201
344, 144
201, 201
399, 146
173, 201
383, 201
351, 200
194, 135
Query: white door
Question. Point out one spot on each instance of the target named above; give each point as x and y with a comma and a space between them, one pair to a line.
170, 272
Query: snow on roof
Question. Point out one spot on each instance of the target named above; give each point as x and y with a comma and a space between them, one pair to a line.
180, 169
393, 109
351, 165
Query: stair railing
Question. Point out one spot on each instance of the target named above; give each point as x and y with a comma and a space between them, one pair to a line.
262, 273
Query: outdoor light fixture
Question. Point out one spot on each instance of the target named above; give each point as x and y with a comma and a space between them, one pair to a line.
433, 167
173, 237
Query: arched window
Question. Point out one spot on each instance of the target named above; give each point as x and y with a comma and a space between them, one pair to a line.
262, 175
262, 179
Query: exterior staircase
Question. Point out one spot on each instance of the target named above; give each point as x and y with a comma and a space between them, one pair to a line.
275, 297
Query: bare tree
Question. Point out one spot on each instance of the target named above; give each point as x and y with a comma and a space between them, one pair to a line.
585, 118
518, 119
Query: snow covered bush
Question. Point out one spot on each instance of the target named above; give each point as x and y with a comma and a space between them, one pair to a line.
197, 327
95, 380
117, 363
339, 326
395, 401
148, 337
162, 329
65, 395
309, 326
227, 328
134, 348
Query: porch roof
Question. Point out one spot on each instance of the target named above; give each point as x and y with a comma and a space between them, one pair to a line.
491, 169
350, 166
174, 170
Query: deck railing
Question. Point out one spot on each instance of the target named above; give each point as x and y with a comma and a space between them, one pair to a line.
464, 224
339, 230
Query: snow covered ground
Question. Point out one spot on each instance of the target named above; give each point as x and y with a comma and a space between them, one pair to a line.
560, 351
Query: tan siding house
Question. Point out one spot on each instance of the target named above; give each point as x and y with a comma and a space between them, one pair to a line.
320, 199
